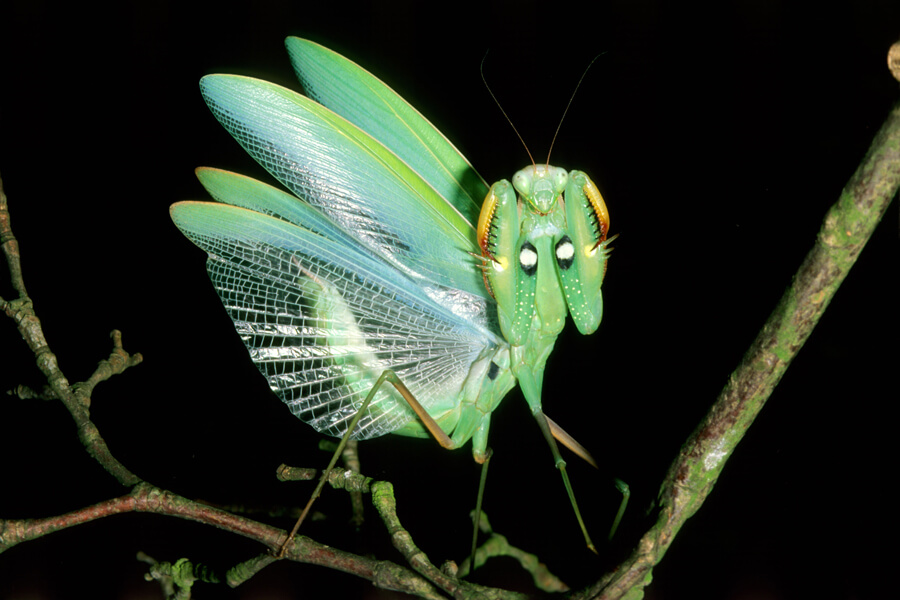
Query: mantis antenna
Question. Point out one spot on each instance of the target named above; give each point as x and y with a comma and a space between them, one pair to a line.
505, 116
571, 98
561, 119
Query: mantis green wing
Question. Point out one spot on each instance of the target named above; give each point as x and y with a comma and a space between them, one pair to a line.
311, 311
349, 90
348, 175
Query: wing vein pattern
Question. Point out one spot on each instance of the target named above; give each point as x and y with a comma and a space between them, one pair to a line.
322, 324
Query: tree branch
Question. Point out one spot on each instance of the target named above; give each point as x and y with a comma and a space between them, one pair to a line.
847, 227
149, 499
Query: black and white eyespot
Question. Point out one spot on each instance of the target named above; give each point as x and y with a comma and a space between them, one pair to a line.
565, 252
528, 258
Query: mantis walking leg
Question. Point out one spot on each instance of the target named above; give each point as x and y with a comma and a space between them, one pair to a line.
387, 376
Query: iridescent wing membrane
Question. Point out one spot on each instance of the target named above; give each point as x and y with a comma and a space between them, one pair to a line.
366, 267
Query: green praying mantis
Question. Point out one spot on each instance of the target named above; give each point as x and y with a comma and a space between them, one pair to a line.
390, 259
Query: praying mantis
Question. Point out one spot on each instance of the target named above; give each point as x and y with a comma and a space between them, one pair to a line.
390, 259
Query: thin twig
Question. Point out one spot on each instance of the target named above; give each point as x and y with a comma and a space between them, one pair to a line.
10, 248
386, 505
351, 461
21, 310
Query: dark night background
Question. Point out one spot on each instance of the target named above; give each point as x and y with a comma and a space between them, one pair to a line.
719, 135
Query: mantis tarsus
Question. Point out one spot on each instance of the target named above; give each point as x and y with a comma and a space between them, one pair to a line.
379, 259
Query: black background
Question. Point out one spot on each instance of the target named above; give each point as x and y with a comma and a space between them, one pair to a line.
719, 135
